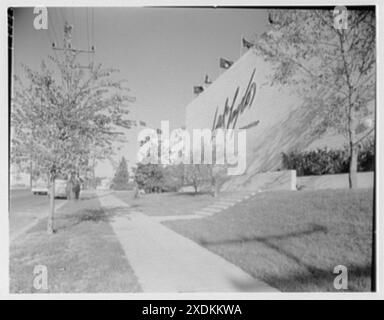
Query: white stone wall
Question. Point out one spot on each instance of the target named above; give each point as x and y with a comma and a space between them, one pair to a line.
282, 123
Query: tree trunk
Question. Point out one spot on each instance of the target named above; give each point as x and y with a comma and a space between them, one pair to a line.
136, 192
353, 166
50, 228
70, 193
93, 174
182, 177
216, 189
30, 174
214, 182
213, 187
353, 150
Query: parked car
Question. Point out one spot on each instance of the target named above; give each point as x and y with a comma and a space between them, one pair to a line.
60, 189
39, 187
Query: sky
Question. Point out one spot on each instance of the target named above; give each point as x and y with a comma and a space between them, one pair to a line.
162, 52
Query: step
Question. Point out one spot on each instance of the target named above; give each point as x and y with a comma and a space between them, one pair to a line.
211, 209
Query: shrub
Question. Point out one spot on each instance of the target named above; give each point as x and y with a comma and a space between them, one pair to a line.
149, 177
366, 158
325, 161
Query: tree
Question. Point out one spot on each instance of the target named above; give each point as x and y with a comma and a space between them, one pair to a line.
179, 169
334, 68
173, 177
194, 175
121, 179
61, 113
211, 172
149, 177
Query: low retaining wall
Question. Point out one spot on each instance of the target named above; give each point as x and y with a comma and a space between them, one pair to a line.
287, 180
334, 181
274, 180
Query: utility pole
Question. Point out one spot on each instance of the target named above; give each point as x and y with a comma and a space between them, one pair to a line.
31, 172
67, 48
10, 82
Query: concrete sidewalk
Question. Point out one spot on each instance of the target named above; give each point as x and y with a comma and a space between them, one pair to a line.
165, 261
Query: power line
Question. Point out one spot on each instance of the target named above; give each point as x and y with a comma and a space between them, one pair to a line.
50, 21
61, 12
73, 20
50, 35
93, 32
54, 35
59, 21
67, 44
65, 14
88, 34
58, 15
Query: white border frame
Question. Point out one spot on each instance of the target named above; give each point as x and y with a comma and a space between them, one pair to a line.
4, 241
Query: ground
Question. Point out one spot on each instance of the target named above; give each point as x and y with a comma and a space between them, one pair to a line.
166, 204
82, 256
291, 240
26, 209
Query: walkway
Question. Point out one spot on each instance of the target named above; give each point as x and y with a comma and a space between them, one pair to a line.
165, 261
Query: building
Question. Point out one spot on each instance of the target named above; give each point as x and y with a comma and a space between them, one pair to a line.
274, 116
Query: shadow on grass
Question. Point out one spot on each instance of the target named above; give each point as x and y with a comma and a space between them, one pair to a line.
312, 277
314, 228
79, 216
191, 193
134, 206
82, 215
315, 280
93, 196
268, 242
93, 215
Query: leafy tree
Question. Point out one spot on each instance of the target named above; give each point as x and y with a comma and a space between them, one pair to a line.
121, 179
173, 176
194, 175
179, 170
208, 175
62, 113
149, 177
334, 68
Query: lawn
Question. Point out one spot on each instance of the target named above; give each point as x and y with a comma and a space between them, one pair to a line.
293, 240
166, 204
84, 254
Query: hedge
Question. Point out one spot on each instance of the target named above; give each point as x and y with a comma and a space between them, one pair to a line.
329, 161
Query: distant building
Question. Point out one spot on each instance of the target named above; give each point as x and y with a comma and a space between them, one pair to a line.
18, 179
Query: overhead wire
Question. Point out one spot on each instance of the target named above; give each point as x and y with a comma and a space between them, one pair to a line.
51, 27
93, 32
88, 48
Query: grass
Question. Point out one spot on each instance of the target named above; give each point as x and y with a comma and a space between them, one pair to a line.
84, 254
164, 204
293, 240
